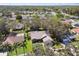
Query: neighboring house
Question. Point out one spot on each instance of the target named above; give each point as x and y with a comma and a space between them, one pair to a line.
74, 17
18, 26
21, 12
30, 12
13, 15
75, 30
42, 16
67, 21
4, 17
47, 40
12, 18
24, 12
41, 36
53, 13
30, 17
75, 24
14, 38
41, 12
24, 16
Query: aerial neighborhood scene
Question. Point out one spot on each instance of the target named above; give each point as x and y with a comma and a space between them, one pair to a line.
39, 30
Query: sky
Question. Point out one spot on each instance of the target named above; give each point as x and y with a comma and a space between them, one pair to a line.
35, 2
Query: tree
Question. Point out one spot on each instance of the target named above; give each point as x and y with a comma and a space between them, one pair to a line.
55, 27
49, 52
59, 15
19, 18
38, 49
23, 46
3, 30
15, 48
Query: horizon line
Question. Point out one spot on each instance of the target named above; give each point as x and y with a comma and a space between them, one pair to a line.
39, 4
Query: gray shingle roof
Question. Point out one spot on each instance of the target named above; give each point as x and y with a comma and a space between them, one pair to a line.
39, 35
18, 26
36, 34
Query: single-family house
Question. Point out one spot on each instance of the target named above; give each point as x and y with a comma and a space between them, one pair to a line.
75, 30
67, 21
13, 14
14, 38
74, 17
75, 24
53, 13
18, 26
42, 17
24, 16
13, 18
47, 40
41, 36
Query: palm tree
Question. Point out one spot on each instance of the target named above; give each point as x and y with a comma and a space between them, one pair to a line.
15, 48
23, 45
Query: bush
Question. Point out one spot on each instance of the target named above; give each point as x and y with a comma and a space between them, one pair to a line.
38, 49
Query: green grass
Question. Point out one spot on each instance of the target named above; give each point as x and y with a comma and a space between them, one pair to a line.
77, 37
75, 43
57, 45
29, 45
20, 50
